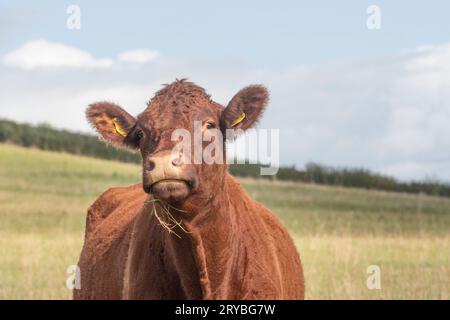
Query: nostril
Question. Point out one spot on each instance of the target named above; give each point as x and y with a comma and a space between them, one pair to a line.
176, 162
150, 165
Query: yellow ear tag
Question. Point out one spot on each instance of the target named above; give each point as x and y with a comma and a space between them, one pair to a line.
118, 127
238, 119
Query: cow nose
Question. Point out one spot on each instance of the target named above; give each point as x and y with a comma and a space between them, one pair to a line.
160, 162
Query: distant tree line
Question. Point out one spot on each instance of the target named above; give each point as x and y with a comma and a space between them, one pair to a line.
346, 177
47, 138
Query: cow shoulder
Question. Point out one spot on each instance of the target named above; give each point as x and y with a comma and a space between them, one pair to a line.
288, 258
109, 201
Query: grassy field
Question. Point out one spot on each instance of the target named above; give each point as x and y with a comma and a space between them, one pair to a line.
339, 232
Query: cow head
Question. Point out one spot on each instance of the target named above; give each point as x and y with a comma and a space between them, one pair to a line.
172, 174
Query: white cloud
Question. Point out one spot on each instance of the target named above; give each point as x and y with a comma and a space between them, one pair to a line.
42, 53
46, 54
389, 114
138, 56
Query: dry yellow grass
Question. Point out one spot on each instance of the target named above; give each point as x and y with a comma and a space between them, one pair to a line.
411, 267
339, 232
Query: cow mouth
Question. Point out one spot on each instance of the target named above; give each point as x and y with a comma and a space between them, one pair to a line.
171, 190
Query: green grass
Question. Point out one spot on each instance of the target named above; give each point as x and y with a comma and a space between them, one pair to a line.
339, 232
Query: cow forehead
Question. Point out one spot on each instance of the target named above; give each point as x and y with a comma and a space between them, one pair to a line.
178, 104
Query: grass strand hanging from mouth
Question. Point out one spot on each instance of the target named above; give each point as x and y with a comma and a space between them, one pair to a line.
172, 222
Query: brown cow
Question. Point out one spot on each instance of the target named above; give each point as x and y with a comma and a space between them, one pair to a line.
189, 231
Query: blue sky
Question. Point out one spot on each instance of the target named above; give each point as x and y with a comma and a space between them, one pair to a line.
341, 94
268, 33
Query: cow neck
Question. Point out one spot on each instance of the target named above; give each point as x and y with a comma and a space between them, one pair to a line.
212, 233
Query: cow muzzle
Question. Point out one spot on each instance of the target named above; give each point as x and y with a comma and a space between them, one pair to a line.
168, 179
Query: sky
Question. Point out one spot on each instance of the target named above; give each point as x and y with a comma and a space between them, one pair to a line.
341, 93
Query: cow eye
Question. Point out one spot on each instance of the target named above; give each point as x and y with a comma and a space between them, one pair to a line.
139, 134
210, 125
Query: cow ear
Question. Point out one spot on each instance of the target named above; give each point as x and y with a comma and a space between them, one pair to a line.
111, 122
245, 109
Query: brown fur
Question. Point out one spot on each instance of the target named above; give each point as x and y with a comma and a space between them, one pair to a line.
231, 247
